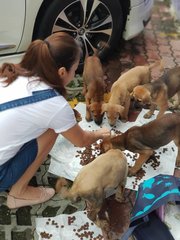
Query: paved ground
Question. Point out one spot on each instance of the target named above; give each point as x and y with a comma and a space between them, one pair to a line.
159, 40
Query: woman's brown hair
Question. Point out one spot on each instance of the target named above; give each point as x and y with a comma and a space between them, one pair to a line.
43, 58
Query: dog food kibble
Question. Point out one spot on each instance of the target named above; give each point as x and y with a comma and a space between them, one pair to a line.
165, 150
117, 131
128, 155
139, 175
89, 153
71, 220
135, 156
45, 235
82, 232
153, 160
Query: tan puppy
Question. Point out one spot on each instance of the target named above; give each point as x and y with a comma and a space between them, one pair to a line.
158, 92
109, 170
146, 138
94, 88
119, 102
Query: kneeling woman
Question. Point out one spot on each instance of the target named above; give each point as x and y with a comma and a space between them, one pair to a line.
33, 111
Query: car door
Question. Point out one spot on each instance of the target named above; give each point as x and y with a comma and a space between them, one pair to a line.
12, 16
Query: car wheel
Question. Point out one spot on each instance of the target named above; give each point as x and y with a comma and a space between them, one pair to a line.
90, 22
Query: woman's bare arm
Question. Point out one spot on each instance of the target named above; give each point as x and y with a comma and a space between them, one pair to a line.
81, 138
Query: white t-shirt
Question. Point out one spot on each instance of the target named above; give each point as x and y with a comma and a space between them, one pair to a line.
24, 123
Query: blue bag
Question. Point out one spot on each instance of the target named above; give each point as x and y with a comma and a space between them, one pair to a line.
152, 194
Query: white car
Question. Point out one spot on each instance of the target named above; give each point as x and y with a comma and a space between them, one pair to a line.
89, 21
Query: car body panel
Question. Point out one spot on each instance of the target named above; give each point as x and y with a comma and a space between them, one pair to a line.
16, 26
32, 8
135, 23
11, 25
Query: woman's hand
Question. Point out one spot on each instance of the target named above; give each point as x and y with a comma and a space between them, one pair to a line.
103, 133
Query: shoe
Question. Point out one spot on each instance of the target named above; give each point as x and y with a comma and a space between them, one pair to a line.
46, 194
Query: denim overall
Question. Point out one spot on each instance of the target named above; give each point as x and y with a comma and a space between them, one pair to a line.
37, 96
11, 170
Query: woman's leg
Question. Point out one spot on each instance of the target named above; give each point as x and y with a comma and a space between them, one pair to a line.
21, 189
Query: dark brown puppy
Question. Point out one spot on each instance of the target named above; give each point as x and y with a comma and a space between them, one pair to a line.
94, 88
147, 138
158, 92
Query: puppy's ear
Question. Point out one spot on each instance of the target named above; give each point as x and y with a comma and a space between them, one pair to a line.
132, 95
104, 108
61, 183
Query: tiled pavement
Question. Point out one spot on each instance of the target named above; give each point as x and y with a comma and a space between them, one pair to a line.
160, 39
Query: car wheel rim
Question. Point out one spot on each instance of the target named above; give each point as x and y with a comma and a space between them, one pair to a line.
92, 26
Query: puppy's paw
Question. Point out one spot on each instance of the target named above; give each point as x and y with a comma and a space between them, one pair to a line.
120, 199
104, 225
131, 172
147, 115
124, 120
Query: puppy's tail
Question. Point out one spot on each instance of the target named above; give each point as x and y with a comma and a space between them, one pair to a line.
159, 63
62, 187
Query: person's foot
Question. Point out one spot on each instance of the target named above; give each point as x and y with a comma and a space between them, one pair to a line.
34, 196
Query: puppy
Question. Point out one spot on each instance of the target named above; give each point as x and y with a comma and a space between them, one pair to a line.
119, 102
94, 88
157, 93
108, 170
147, 138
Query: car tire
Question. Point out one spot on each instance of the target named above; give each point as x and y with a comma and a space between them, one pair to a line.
103, 24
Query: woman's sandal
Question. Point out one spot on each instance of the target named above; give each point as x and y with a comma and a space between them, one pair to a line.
46, 194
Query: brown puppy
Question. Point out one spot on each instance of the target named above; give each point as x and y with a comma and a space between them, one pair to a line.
94, 88
146, 138
158, 92
119, 102
109, 170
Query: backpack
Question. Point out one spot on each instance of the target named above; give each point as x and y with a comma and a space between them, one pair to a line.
151, 196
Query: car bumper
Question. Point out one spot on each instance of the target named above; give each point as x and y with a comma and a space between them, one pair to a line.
135, 24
